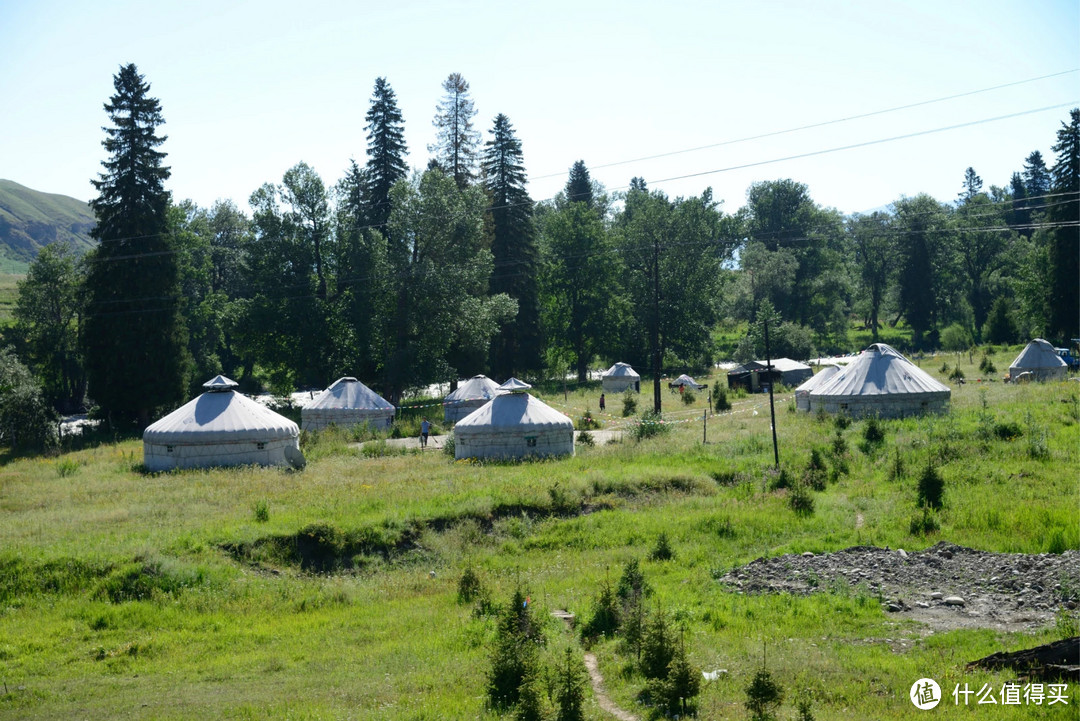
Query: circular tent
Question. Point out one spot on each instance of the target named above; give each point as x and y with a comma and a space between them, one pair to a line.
687, 381
1040, 360
881, 382
347, 402
802, 393
619, 378
469, 396
221, 428
514, 425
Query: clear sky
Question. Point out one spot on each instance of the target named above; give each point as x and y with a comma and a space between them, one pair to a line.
249, 89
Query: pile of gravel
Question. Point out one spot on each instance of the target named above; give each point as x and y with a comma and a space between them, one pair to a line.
946, 585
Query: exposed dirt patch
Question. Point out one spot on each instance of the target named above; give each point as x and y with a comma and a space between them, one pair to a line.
601, 695
946, 586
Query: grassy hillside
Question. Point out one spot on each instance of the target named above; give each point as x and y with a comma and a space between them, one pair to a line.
30, 219
331, 592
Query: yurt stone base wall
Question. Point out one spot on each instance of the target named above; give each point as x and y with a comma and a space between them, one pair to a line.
514, 444
619, 385
866, 406
1042, 374
318, 418
454, 412
161, 457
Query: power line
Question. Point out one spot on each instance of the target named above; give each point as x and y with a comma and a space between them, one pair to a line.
819, 124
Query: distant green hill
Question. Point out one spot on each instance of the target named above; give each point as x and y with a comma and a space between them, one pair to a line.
30, 220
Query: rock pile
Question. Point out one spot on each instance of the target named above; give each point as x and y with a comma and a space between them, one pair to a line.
945, 585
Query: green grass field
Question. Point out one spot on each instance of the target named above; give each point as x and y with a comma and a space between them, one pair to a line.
8, 294
125, 594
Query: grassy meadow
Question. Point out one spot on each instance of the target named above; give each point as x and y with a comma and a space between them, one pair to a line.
332, 592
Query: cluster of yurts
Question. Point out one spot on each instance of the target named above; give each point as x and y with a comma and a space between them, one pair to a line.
223, 427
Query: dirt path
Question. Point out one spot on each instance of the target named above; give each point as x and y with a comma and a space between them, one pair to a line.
598, 690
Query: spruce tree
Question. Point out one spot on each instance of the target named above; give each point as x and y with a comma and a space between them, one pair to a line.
1036, 177
579, 185
134, 338
1065, 242
386, 151
514, 249
972, 185
456, 145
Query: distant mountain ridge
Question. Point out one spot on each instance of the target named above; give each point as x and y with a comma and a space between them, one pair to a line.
30, 220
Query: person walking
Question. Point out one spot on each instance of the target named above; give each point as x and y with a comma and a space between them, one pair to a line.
602, 405
425, 429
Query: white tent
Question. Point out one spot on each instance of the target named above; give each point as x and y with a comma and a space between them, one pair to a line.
619, 378
802, 393
221, 428
685, 380
1041, 360
347, 402
514, 425
882, 382
469, 396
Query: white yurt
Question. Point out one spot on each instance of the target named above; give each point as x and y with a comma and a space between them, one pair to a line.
802, 393
514, 425
469, 396
882, 382
221, 428
619, 378
687, 381
1040, 360
347, 402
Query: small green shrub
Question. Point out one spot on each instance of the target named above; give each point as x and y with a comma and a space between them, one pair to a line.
605, 616
662, 551
873, 433
448, 445
763, 696
842, 421
470, 587
658, 647
816, 473
780, 480
931, 488
720, 399
261, 510
563, 502
801, 500
944, 368
987, 366
67, 467
675, 693
586, 439
1008, 430
629, 404
651, 425
570, 699
587, 422
957, 374
688, 397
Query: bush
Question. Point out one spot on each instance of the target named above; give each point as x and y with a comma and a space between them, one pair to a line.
957, 374
678, 689
1008, 430
651, 424
514, 658
763, 696
261, 510
470, 587
27, 423
571, 685
586, 439
816, 471
780, 480
629, 404
662, 551
688, 397
955, 338
987, 366
931, 488
720, 399
67, 467
658, 648
842, 421
587, 422
605, 616
448, 445
801, 500
873, 432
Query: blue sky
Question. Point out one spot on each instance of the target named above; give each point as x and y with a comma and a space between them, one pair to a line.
249, 89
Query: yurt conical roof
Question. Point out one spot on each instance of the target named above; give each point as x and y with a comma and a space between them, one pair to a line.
516, 410
621, 370
476, 388
1037, 355
220, 415
880, 370
349, 393
818, 379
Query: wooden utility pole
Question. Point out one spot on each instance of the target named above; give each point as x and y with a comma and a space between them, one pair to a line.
656, 324
772, 408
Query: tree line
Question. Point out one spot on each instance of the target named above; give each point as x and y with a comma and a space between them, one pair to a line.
408, 278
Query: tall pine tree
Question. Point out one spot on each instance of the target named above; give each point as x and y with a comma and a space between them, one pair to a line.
579, 185
133, 338
1036, 178
514, 249
1065, 242
386, 151
457, 142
